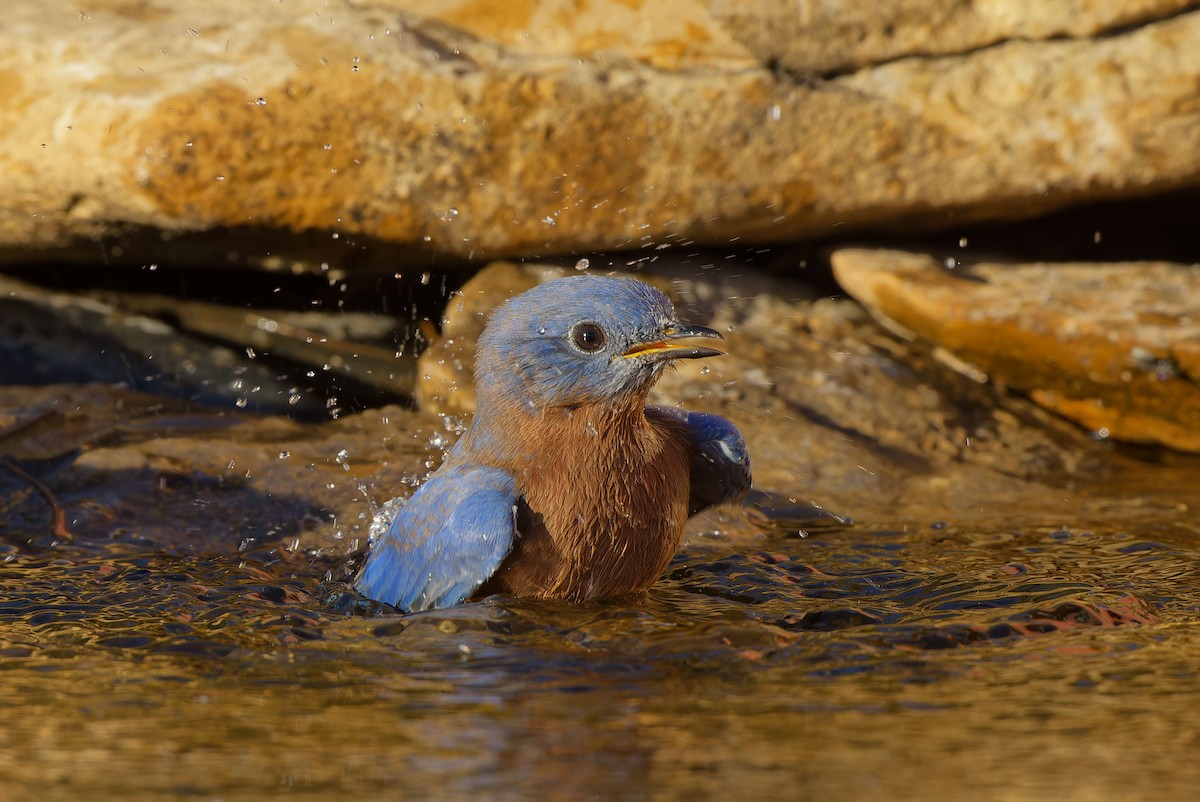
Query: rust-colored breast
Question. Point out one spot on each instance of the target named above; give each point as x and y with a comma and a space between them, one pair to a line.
605, 503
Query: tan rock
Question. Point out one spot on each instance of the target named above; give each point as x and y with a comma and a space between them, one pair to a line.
666, 34
822, 36
835, 413
341, 133
1111, 346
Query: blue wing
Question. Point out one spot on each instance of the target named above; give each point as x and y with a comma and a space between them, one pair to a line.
720, 461
446, 540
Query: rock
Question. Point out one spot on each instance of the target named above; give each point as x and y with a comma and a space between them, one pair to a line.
1111, 346
297, 364
823, 37
136, 468
836, 413
838, 416
333, 136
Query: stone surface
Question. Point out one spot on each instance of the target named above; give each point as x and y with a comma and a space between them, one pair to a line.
838, 415
345, 134
270, 361
1111, 346
824, 36
827, 401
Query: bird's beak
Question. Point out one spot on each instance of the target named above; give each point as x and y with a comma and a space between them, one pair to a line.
667, 348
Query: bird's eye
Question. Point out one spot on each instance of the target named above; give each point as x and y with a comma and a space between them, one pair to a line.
588, 337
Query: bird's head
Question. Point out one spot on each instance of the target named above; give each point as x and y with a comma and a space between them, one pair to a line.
581, 340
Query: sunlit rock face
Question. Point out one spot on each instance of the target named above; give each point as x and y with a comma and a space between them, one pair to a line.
477, 129
1114, 347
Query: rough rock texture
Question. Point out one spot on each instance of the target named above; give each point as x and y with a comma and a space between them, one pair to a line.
835, 411
1115, 347
823, 36
534, 128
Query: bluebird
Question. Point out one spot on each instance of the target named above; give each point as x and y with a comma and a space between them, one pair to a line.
566, 485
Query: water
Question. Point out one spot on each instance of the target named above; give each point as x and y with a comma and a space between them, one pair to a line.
1020, 661
1012, 615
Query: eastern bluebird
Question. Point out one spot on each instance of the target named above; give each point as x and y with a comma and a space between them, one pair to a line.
566, 485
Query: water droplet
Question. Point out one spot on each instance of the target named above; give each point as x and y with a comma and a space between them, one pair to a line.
262, 101
583, 264
705, 369
328, 146
951, 263
240, 403
541, 329
284, 454
425, 279
962, 242
548, 220
776, 113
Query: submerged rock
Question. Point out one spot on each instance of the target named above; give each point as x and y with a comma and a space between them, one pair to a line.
1113, 347
131, 468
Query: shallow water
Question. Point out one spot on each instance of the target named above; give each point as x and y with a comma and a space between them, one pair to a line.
1022, 660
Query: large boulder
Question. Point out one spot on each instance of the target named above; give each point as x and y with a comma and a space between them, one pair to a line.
315, 132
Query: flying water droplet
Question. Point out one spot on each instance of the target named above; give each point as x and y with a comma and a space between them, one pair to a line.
583, 264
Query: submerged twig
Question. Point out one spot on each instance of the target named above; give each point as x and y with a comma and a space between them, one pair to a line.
58, 516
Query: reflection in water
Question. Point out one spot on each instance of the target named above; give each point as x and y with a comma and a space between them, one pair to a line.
1003, 664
